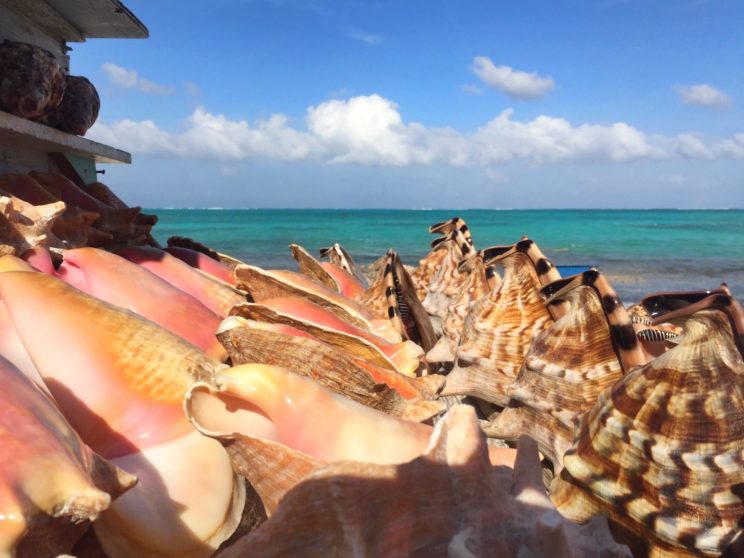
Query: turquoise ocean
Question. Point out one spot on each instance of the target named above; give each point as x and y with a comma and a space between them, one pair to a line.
641, 251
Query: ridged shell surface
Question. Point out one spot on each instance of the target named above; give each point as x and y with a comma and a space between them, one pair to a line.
660, 453
497, 334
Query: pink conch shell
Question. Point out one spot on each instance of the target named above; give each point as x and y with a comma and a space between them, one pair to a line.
202, 262
116, 280
249, 341
121, 386
11, 346
24, 226
327, 326
275, 404
331, 275
264, 284
501, 326
185, 242
447, 502
340, 257
51, 484
216, 295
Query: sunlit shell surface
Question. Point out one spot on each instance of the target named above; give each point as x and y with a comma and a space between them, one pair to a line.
475, 287
329, 274
393, 294
51, 484
216, 295
660, 452
264, 284
426, 270
501, 326
24, 226
249, 341
448, 502
326, 326
339, 256
569, 364
121, 385
449, 279
276, 404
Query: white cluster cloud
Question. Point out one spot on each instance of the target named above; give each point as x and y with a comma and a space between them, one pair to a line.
702, 94
130, 79
369, 130
515, 84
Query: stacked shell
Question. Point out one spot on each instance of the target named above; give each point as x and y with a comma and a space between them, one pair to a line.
660, 451
500, 328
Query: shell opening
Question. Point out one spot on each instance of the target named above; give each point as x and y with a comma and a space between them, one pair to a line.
218, 414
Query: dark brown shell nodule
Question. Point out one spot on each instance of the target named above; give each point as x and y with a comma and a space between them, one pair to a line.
660, 453
78, 110
31, 80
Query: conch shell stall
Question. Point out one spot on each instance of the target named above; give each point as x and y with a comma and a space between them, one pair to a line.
179, 402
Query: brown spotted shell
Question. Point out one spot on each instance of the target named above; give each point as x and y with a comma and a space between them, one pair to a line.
499, 330
568, 366
426, 270
448, 502
31, 80
475, 287
448, 280
660, 453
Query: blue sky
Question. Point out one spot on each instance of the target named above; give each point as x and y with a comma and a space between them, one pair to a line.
282, 103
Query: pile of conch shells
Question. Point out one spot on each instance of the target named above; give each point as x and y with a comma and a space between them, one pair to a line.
180, 402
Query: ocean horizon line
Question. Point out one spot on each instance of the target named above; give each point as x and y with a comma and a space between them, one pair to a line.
443, 209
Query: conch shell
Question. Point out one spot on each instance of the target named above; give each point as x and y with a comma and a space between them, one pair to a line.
477, 285
339, 256
659, 453
24, 226
326, 326
449, 279
501, 326
569, 364
185, 242
250, 341
329, 274
51, 484
121, 386
447, 502
216, 295
264, 284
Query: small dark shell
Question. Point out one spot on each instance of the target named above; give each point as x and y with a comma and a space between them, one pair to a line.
31, 80
78, 110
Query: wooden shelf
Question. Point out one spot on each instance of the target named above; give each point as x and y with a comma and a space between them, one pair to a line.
19, 133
